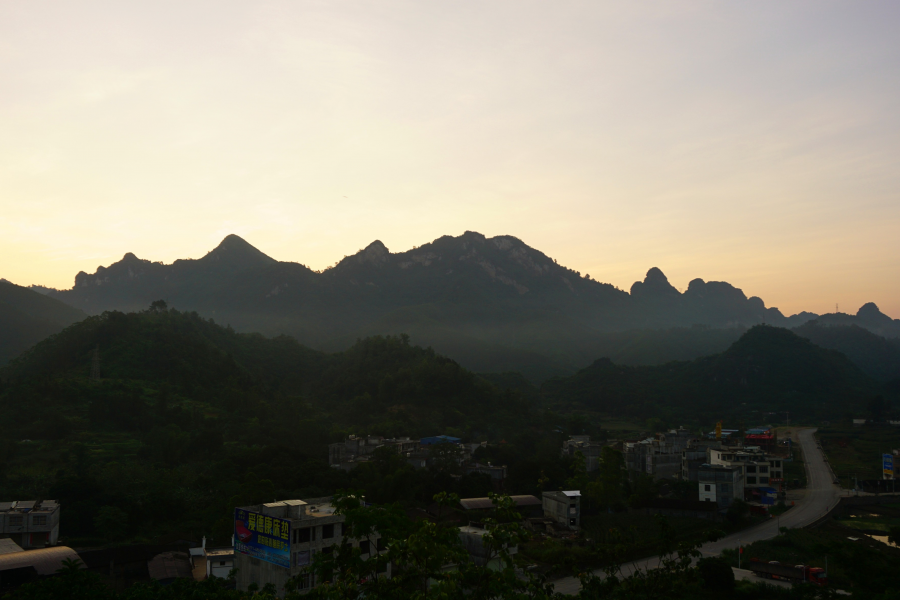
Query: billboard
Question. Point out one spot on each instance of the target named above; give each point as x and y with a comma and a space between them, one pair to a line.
887, 466
263, 537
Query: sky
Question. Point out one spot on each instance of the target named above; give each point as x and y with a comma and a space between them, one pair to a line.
751, 142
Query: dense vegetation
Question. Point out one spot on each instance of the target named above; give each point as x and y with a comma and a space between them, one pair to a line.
174, 420
769, 370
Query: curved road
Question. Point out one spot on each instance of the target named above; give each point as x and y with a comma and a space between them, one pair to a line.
819, 497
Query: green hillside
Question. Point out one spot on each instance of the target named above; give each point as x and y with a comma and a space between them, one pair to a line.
188, 418
27, 317
876, 356
769, 369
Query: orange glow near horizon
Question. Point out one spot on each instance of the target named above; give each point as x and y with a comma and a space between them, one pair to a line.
754, 144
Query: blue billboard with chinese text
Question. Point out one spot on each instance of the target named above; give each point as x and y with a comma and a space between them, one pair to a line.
887, 466
263, 537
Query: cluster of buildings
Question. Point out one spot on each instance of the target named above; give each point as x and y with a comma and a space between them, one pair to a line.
279, 541
724, 466
418, 452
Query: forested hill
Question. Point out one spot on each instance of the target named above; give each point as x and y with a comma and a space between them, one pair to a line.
769, 369
27, 317
166, 420
163, 356
492, 304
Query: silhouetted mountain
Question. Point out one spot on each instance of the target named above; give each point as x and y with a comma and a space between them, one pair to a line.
27, 317
493, 304
769, 369
875, 355
868, 317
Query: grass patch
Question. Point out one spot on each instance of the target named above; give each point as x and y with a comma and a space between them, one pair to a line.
856, 450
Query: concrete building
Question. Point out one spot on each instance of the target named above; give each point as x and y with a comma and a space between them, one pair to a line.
472, 537
354, 450
564, 507
720, 484
590, 450
658, 456
314, 528
219, 562
30, 523
759, 469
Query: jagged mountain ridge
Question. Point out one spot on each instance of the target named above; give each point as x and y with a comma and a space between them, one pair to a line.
494, 304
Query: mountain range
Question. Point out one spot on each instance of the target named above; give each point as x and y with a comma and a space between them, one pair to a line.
493, 304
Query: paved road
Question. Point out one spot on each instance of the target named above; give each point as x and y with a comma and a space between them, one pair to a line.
820, 496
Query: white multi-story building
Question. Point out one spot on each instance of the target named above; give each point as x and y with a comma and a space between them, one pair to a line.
30, 523
759, 469
720, 484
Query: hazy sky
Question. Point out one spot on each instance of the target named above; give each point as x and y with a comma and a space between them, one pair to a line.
752, 142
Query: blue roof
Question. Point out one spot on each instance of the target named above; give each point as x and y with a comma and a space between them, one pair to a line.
439, 439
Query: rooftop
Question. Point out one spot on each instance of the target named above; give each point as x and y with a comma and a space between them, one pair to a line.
25, 506
487, 503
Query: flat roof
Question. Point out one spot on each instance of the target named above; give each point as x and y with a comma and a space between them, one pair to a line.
486, 503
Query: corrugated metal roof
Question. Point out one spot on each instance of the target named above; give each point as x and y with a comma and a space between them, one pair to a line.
45, 561
572, 493
170, 565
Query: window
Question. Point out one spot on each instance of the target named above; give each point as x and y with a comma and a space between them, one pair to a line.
303, 535
705, 488
751, 480
571, 521
303, 582
39, 520
764, 480
764, 469
15, 521
364, 547
221, 563
379, 544
327, 531
751, 468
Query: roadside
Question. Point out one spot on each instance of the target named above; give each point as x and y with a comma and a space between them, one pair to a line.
812, 503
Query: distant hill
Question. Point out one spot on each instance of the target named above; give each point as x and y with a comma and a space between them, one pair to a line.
768, 369
27, 317
493, 304
868, 317
198, 365
875, 355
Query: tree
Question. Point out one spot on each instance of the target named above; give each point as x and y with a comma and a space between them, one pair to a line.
716, 573
607, 491
111, 522
158, 306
